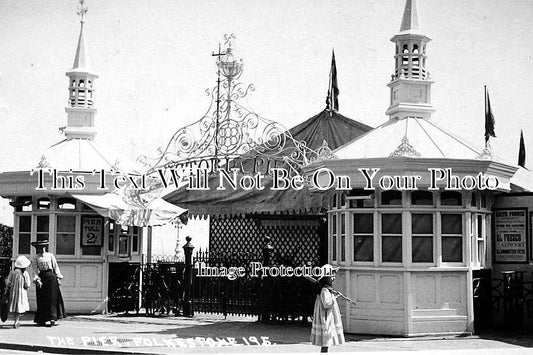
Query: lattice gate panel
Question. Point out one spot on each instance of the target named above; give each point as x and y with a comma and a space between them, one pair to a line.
235, 235
295, 241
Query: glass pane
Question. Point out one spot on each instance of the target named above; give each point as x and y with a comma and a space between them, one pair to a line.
66, 203
343, 248
363, 248
65, 244
450, 198
42, 236
123, 245
111, 246
481, 252
343, 223
23, 204
452, 249
363, 223
334, 248
420, 198
43, 203
42, 224
91, 250
334, 223
473, 202
66, 223
452, 224
24, 243
392, 197
391, 223
422, 249
135, 243
480, 227
25, 224
422, 224
367, 203
391, 249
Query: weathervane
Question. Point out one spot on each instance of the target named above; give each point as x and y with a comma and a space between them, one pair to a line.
82, 10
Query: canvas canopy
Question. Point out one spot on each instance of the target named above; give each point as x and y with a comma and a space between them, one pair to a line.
328, 126
155, 213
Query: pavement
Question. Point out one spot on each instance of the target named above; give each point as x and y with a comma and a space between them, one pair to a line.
208, 334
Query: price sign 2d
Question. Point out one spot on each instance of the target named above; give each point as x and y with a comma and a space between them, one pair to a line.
92, 231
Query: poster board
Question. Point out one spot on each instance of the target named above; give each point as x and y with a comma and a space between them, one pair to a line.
92, 231
510, 235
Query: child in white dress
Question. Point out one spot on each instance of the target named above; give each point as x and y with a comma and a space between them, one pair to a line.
327, 328
18, 283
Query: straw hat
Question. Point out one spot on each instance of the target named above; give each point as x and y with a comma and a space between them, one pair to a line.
327, 270
40, 243
22, 262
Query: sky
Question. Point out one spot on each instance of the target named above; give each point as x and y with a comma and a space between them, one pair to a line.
154, 62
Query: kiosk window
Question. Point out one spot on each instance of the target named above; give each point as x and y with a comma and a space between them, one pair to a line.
66, 235
422, 238
391, 238
452, 237
363, 237
391, 198
334, 237
343, 236
24, 234
42, 227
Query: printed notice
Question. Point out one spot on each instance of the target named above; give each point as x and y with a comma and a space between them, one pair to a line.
92, 231
510, 244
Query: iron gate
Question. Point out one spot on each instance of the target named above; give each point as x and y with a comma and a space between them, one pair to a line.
161, 288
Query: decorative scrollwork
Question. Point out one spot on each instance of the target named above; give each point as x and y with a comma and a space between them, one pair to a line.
229, 129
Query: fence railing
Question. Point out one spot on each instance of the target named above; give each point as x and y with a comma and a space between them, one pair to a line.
505, 301
210, 283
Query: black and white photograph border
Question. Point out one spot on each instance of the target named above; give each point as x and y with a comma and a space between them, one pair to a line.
266, 176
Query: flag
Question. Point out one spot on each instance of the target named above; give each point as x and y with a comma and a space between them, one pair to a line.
333, 90
522, 151
489, 118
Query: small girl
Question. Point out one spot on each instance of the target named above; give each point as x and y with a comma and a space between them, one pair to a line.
18, 283
327, 325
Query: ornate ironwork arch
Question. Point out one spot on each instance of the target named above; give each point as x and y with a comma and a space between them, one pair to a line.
229, 130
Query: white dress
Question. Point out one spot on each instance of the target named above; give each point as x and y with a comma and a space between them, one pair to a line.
327, 328
19, 282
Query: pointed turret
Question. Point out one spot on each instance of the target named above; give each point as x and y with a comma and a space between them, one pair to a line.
81, 59
410, 17
410, 84
80, 109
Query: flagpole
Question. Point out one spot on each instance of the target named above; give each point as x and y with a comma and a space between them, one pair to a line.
486, 137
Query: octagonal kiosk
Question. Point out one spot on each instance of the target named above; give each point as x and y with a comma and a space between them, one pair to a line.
410, 220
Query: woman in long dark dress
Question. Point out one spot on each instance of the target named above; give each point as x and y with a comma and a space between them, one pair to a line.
47, 277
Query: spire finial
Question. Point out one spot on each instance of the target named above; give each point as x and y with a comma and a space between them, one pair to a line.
410, 16
82, 10
228, 38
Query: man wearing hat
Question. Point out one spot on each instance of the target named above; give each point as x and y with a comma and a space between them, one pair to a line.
17, 284
50, 306
327, 328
